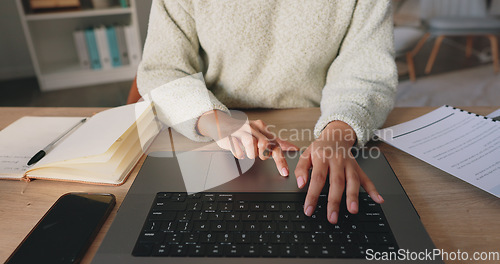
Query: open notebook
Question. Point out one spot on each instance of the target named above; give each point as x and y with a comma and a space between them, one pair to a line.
103, 150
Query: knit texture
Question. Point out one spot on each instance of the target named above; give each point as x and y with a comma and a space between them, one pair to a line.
271, 54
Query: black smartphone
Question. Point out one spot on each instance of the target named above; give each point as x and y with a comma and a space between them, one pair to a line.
65, 232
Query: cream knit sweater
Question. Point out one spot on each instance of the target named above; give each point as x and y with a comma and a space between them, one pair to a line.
337, 54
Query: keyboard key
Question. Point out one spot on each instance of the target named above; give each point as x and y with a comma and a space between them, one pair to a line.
306, 251
272, 207
200, 216
248, 217
162, 215
242, 238
196, 250
206, 237
288, 207
326, 252
178, 250
225, 238
241, 207
191, 238
288, 251
234, 226
218, 226
173, 238
169, 226
225, 198
281, 217
278, 238
260, 238
152, 226
284, 227
215, 216
214, 250
252, 227
376, 227
152, 236
233, 250
251, 250
265, 217
200, 226
270, 251
257, 207
160, 250
184, 216
208, 197
232, 216
269, 227
303, 227
225, 207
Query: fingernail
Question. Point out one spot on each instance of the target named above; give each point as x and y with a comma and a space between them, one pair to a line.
309, 210
354, 206
284, 171
300, 182
333, 217
380, 198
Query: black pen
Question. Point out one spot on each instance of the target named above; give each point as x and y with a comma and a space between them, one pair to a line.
40, 154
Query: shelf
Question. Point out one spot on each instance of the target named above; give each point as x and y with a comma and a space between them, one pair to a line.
79, 13
72, 75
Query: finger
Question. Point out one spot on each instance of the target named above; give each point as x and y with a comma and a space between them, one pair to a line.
236, 147
337, 185
317, 181
250, 144
303, 167
263, 128
264, 145
286, 146
369, 187
352, 188
280, 161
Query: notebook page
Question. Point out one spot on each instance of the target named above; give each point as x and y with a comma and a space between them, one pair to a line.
25, 137
462, 144
96, 135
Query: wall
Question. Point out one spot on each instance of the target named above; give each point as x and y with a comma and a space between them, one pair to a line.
15, 61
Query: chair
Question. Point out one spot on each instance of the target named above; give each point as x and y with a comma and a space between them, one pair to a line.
469, 20
133, 95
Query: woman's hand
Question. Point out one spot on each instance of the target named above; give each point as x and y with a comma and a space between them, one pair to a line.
330, 154
243, 137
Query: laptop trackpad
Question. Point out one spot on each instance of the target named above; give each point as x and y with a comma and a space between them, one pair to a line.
227, 174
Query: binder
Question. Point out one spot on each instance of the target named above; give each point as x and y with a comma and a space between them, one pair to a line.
113, 47
81, 49
134, 51
103, 47
95, 62
122, 45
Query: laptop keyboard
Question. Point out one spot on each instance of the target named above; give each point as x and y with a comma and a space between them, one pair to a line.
259, 225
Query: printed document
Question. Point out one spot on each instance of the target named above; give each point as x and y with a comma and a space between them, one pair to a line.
460, 143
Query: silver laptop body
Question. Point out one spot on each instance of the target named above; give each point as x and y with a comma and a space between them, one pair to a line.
161, 173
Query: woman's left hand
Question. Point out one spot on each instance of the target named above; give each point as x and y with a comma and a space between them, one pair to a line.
331, 155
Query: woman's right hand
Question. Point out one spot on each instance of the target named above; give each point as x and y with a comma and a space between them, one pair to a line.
245, 137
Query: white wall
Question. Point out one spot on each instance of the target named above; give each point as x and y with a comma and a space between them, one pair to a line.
15, 61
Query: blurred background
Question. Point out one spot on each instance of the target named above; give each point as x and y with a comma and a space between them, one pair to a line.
84, 53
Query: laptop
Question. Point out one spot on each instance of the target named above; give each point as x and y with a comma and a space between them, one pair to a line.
251, 214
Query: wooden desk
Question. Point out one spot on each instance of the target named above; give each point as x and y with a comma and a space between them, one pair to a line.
457, 215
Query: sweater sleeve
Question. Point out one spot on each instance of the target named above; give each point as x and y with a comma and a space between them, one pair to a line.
361, 82
170, 69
